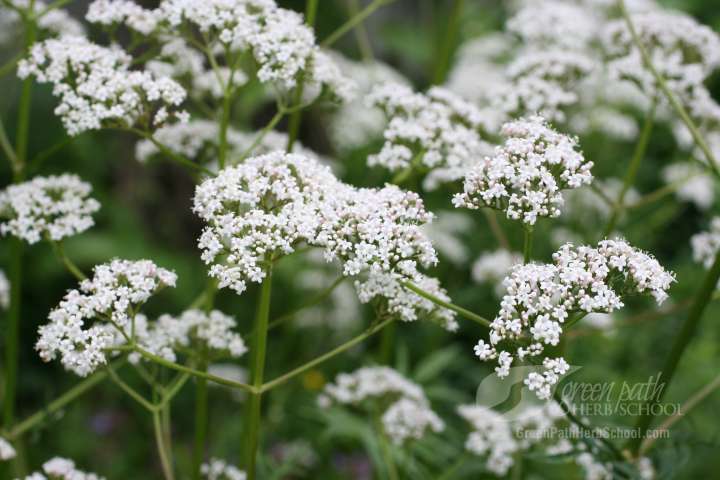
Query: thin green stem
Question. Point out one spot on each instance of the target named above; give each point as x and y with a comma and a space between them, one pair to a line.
162, 447
149, 406
691, 403
386, 451
674, 102
322, 358
251, 435
361, 34
23, 120
631, 173
496, 229
172, 155
59, 403
7, 148
69, 264
9, 66
588, 431
449, 38
682, 340
660, 193
224, 124
35, 163
310, 303
350, 24
194, 372
527, 244
259, 137
201, 423
450, 306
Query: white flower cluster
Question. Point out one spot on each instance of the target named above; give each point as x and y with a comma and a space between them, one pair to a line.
53, 22
97, 87
497, 438
113, 12
62, 469
217, 469
4, 291
527, 173
705, 245
7, 451
355, 123
197, 140
566, 24
270, 204
493, 267
164, 336
541, 298
51, 207
407, 413
279, 40
437, 131
683, 51
113, 297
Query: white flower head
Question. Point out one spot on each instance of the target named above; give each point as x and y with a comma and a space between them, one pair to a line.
493, 267
51, 207
705, 245
58, 468
541, 298
217, 469
7, 451
438, 132
115, 12
527, 174
55, 22
112, 297
97, 88
406, 410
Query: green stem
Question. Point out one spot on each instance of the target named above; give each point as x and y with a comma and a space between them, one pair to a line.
682, 340
386, 452
387, 344
496, 229
8, 149
347, 26
588, 431
193, 372
271, 124
322, 358
162, 447
149, 406
23, 120
310, 303
450, 306
201, 423
527, 244
674, 102
251, 436
58, 404
224, 123
361, 34
449, 39
631, 173
62, 256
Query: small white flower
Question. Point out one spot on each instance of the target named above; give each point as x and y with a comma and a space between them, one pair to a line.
217, 469
54, 207
7, 451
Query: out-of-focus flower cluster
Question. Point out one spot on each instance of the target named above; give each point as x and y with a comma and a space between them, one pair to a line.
405, 411
62, 469
217, 469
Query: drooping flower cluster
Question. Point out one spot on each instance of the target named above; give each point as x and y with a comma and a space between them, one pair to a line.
97, 88
491, 268
217, 469
438, 132
51, 207
541, 298
62, 469
214, 330
278, 39
7, 451
406, 410
112, 297
527, 173
267, 206
683, 51
4, 291
705, 245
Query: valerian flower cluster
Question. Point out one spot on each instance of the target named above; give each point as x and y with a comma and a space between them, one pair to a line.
271, 204
541, 298
49, 208
404, 408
